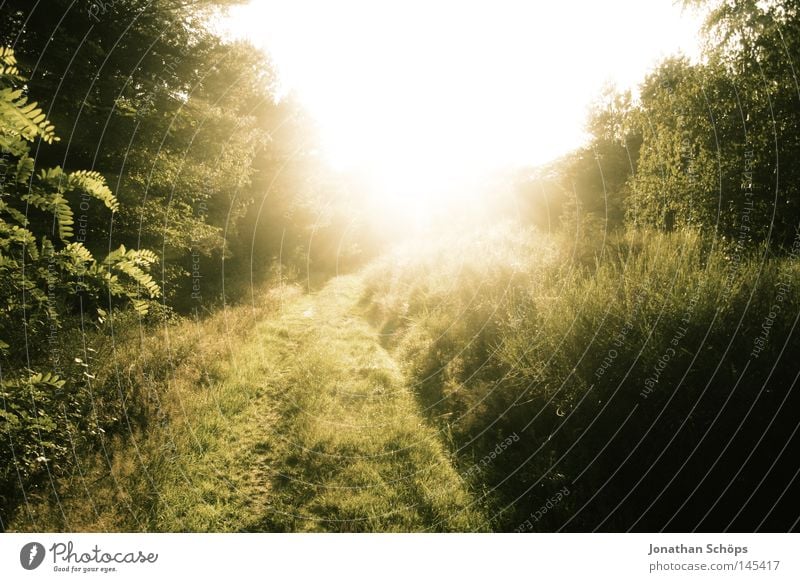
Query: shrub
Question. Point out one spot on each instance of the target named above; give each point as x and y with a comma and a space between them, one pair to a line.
50, 285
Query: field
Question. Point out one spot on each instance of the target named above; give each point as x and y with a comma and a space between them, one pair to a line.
444, 391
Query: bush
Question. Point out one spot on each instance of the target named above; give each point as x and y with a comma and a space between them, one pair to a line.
50, 286
621, 380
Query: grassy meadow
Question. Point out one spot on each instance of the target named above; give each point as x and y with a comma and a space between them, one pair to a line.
442, 391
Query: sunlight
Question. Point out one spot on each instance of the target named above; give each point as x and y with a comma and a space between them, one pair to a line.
421, 97
453, 266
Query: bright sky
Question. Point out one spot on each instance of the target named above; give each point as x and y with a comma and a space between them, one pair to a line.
435, 91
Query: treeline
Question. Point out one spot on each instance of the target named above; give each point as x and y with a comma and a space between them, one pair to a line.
707, 146
157, 175
183, 124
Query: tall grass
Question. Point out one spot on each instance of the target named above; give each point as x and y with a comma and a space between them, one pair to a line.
631, 374
179, 459
644, 382
286, 415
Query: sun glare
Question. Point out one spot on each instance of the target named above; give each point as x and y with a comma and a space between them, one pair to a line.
422, 97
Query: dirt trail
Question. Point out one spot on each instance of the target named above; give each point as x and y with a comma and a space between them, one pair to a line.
343, 445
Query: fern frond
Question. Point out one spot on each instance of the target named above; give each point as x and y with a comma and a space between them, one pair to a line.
24, 169
8, 63
94, 184
13, 144
55, 203
24, 237
132, 263
141, 306
20, 118
78, 253
48, 379
15, 214
53, 177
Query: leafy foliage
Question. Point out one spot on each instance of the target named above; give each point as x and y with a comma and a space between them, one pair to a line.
717, 134
20, 121
190, 127
45, 273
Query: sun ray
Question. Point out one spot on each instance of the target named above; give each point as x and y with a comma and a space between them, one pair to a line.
422, 98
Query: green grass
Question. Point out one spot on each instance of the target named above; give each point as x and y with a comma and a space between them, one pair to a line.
288, 416
186, 462
511, 332
352, 449
459, 384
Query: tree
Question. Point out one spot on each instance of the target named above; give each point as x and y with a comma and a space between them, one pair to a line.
589, 184
719, 136
166, 110
677, 182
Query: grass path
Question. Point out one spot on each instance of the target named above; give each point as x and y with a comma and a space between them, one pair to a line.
286, 417
343, 445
